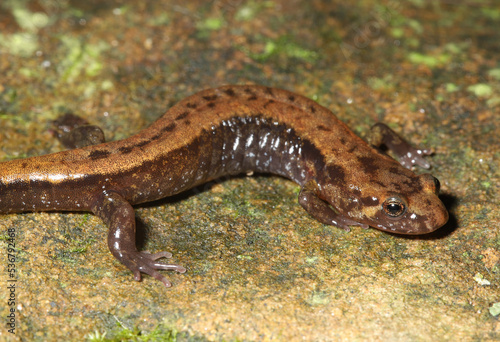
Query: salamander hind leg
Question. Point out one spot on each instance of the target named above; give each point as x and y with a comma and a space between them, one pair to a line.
408, 155
321, 210
119, 215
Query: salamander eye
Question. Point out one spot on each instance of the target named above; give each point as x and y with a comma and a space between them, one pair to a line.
394, 207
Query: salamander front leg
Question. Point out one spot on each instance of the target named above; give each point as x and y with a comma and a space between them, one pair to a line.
321, 210
75, 132
408, 155
119, 215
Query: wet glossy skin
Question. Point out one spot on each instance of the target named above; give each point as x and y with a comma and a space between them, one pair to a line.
231, 130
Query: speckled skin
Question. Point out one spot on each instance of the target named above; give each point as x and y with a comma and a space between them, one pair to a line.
230, 130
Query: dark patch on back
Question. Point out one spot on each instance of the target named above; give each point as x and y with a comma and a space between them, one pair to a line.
337, 173
269, 91
182, 115
24, 165
252, 98
156, 136
268, 103
191, 105
125, 149
169, 128
323, 128
98, 154
211, 104
342, 140
291, 98
413, 184
394, 170
230, 92
187, 122
210, 97
352, 149
312, 109
248, 91
142, 143
368, 163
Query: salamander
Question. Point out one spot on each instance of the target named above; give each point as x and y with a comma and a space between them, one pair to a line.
344, 180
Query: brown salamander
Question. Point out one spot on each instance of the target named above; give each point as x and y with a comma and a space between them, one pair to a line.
229, 130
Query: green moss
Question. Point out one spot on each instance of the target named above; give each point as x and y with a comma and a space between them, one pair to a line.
80, 246
318, 298
9, 96
491, 13
418, 3
19, 44
283, 47
481, 90
23, 43
30, 21
494, 101
479, 278
416, 26
135, 334
431, 61
494, 73
251, 9
495, 309
311, 260
397, 32
161, 19
210, 24
81, 58
451, 87
74, 243
486, 184
456, 48
381, 84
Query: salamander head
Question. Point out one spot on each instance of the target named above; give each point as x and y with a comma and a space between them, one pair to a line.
414, 208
